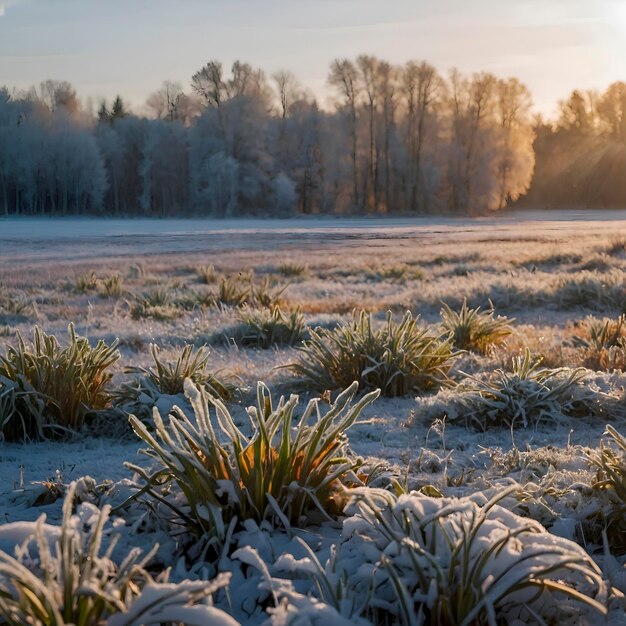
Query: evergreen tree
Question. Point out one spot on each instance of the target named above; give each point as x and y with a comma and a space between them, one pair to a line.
118, 111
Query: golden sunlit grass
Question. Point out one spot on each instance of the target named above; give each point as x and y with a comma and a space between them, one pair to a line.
289, 467
471, 329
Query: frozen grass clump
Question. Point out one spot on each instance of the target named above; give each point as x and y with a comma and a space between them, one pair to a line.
290, 469
597, 263
84, 283
611, 480
240, 290
206, 274
524, 396
52, 389
13, 304
264, 328
400, 273
603, 344
592, 291
168, 377
73, 581
156, 303
292, 269
111, 286
616, 247
473, 329
267, 295
551, 261
233, 290
398, 358
415, 559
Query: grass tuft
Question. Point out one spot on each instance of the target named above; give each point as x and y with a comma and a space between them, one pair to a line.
603, 345
206, 274
84, 283
611, 479
287, 469
292, 270
450, 561
398, 358
264, 328
168, 377
74, 581
233, 291
524, 396
593, 291
50, 388
471, 329
14, 304
112, 286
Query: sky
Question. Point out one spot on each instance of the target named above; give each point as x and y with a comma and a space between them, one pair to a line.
129, 47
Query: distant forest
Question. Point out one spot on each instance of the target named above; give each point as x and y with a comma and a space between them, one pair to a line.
401, 140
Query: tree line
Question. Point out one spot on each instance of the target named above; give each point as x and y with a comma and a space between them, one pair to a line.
581, 157
397, 139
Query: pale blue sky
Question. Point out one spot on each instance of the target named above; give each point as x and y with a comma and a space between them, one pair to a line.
105, 47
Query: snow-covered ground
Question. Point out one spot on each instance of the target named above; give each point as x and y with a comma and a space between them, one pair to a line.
549, 270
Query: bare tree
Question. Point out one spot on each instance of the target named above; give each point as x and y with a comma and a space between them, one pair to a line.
209, 84
288, 90
344, 78
164, 102
55, 94
368, 75
420, 85
387, 88
471, 104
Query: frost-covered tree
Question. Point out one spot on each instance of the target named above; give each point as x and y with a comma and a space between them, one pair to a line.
515, 154
236, 129
344, 78
612, 110
396, 139
217, 184
164, 168
421, 88
284, 196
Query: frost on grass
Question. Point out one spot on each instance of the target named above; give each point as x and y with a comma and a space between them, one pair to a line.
167, 378
452, 561
264, 328
526, 396
551, 286
398, 358
64, 576
50, 389
473, 329
209, 474
419, 560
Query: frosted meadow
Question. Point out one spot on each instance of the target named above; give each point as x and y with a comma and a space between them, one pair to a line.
475, 472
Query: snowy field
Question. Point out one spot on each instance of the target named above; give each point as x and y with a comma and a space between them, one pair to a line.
559, 278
